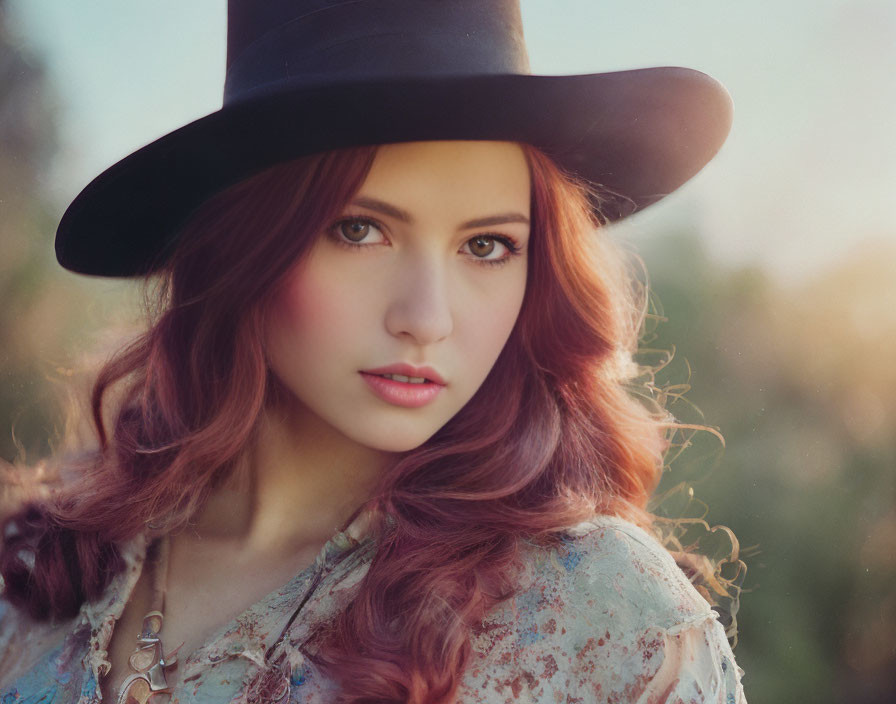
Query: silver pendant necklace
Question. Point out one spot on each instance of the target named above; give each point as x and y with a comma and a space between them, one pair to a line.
149, 662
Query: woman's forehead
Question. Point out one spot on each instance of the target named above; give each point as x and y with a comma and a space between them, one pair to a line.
469, 178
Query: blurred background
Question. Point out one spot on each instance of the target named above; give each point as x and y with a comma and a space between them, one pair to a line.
774, 269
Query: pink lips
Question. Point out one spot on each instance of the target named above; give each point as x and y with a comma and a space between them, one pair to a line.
400, 393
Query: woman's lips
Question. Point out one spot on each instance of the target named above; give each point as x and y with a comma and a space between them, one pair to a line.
409, 370
402, 393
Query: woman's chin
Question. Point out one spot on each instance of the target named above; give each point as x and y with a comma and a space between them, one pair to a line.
398, 441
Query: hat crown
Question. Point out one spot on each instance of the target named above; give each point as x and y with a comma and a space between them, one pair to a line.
318, 42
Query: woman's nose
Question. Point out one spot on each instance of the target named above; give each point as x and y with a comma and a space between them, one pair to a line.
420, 305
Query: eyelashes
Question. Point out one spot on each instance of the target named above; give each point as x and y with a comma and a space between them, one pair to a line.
336, 233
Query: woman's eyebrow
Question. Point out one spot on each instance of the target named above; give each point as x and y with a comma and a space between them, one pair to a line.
404, 216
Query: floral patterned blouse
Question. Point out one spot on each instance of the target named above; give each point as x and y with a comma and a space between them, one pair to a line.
606, 617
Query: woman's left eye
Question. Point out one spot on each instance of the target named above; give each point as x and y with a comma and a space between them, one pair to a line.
482, 247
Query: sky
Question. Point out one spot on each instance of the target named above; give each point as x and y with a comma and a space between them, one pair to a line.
807, 176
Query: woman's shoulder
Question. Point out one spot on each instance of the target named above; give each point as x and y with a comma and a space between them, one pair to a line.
23, 641
605, 613
609, 572
27, 644
614, 568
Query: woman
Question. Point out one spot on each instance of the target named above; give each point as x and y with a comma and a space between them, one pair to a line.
376, 444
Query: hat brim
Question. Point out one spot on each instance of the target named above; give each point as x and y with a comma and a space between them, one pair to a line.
638, 134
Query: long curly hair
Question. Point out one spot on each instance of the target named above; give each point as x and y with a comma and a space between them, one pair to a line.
552, 437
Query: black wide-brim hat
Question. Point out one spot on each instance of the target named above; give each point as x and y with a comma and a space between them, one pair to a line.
306, 76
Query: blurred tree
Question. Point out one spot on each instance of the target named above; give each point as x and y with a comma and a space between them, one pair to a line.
27, 142
801, 385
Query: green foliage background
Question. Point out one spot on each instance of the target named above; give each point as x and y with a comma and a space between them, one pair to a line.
804, 398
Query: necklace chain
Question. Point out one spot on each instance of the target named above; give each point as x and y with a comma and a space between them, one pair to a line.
149, 662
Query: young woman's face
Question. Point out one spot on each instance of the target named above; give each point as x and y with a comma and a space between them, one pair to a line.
426, 268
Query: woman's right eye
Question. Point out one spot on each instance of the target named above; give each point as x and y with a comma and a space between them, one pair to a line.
354, 232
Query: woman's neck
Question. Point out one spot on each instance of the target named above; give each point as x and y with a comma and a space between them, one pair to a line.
299, 484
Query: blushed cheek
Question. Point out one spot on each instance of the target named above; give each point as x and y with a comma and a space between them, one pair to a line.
311, 302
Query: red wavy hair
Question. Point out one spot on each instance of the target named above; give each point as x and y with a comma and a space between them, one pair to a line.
568, 440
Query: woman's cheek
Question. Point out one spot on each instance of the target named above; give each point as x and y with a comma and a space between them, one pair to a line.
319, 297
494, 309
